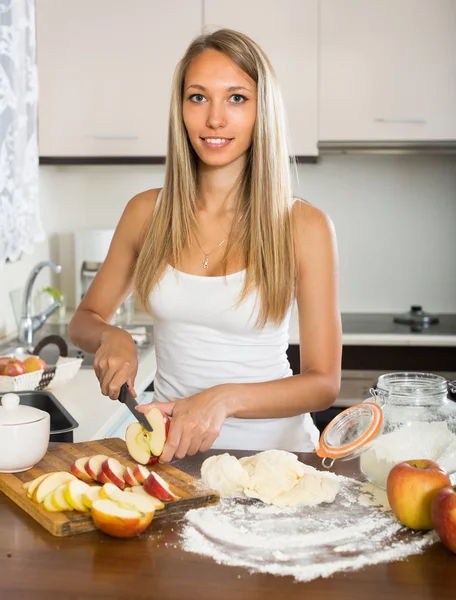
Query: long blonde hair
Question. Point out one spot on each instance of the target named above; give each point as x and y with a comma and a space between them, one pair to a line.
263, 232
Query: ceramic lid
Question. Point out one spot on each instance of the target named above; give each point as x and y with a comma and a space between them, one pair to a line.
352, 429
13, 413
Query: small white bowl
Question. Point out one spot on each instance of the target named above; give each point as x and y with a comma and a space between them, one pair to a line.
24, 435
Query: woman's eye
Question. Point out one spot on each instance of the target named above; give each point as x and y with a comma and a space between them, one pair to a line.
238, 99
198, 98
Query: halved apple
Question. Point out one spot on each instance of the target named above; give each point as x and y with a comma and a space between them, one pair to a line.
158, 487
114, 471
73, 494
139, 489
78, 469
50, 483
58, 499
90, 495
146, 446
117, 521
129, 477
93, 465
141, 473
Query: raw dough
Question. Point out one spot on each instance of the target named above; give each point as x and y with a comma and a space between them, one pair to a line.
274, 477
225, 474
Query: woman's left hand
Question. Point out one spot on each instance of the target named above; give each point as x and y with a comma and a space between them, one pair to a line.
196, 422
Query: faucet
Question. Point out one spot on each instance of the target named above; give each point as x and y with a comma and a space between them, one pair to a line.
29, 324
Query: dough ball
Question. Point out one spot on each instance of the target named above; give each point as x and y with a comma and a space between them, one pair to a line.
272, 473
314, 487
225, 474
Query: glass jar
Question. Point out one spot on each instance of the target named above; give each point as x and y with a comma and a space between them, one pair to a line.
409, 417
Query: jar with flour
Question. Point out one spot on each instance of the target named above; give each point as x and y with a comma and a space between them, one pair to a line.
408, 417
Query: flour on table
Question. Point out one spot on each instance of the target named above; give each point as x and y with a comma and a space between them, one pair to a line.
273, 476
305, 542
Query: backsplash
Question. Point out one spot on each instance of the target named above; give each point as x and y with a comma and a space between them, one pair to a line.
395, 218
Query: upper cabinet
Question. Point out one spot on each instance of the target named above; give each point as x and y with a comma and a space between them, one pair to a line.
288, 33
105, 70
387, 70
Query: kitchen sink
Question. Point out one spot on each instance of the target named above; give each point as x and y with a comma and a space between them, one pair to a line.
51, 353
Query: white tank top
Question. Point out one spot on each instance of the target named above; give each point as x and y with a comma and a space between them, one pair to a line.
203, 339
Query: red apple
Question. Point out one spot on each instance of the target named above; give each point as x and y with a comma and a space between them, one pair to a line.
34, 363
113, 518
93, 466
78, 469
114, 471
411, 487
13, 368
129, 477
4, 360
146, 446
141, 473
443, 512
158, 487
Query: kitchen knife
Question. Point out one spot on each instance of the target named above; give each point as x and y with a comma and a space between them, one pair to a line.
127, 398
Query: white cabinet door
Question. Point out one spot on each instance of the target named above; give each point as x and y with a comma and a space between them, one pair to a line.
105, 69
287, 31
388, 70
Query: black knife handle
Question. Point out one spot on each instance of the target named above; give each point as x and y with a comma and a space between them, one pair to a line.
123, 391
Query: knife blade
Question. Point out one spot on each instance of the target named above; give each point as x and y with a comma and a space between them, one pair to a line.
127, 398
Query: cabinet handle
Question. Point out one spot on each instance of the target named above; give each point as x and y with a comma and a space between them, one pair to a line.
114, 136
406, 120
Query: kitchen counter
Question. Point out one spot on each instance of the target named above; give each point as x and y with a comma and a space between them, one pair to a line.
37, 566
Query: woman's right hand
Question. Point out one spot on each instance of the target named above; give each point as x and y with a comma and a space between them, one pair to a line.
116, 362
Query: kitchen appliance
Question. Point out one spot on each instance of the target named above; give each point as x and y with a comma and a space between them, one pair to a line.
90, 249
417, 318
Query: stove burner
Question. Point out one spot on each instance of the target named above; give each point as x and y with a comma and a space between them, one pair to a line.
416, 318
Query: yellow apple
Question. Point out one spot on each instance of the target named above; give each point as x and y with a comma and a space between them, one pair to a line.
58, 498
30, 486
50, 483
73, 494
90, 495
34, 363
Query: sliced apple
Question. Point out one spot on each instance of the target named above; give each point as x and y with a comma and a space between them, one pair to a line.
93, 465
158, 487
109, 491
137, 440
141, 473
49, 505
31, 486
73, 494
111, 518
78, 469
159, 422
114, 471
129, 477
50, 483
139, 489
146, 446
58, 498
90, 495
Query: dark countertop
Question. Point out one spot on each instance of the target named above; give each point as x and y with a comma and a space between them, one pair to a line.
383, 324
37, 566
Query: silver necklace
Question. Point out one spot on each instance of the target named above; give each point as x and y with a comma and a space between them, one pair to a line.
205, 260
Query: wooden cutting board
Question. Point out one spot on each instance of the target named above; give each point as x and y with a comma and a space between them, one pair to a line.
192, 493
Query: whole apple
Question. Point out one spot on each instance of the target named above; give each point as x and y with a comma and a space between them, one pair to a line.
34, 363
13, 368
443, 513
411, 487
4, 360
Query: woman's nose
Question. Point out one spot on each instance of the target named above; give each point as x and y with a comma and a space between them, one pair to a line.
217, 115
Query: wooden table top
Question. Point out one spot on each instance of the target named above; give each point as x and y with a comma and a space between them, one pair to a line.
35, 565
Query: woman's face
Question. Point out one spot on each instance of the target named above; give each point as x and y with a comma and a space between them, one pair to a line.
219, 108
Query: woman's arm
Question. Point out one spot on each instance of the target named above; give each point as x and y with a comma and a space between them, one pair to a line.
115, 352
197, 420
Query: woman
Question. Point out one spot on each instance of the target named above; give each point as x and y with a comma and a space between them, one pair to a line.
218, 256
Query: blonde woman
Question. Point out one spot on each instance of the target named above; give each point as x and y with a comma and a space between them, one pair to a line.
218, 256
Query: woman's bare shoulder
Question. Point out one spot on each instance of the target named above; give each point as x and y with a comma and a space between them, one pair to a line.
142, 205
311, 226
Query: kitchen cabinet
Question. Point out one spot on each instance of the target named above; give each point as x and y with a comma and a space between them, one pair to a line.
105, 70
288, 33
387, 70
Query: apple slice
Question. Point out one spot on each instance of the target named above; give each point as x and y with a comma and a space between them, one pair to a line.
58, 499
31, 486
139, 489
159, 422
90, 495
49, 505
114, 471
93, 465
141, 473
111, 518
157, 486
78, 469
129, 477
73, 494
50, 483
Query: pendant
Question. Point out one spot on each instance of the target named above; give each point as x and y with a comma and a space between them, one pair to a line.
205, 262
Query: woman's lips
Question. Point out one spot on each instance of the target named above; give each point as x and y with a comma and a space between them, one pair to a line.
216, 143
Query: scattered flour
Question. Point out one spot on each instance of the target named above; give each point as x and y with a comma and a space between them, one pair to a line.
356, 530
434, 441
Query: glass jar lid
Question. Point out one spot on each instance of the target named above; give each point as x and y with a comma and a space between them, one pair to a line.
13, 413
352, 429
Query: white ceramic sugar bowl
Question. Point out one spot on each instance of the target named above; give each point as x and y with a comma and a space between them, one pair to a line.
24, 435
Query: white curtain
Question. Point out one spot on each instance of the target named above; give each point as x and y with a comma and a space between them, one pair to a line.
20, 222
